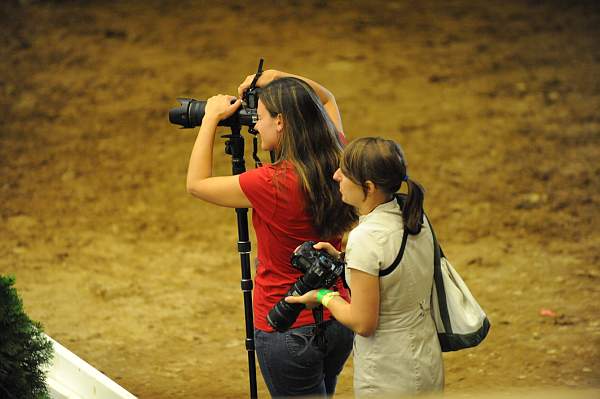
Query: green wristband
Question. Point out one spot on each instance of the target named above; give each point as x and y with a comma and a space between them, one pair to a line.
322, 293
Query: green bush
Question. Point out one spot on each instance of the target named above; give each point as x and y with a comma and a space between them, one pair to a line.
24, 350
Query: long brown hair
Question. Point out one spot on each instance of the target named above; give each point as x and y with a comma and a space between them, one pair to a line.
311, 142
382, 162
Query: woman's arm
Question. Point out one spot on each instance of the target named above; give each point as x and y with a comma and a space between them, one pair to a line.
221, 190
362, 314
324, 94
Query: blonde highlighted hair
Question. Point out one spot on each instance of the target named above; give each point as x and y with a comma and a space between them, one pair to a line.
311, 142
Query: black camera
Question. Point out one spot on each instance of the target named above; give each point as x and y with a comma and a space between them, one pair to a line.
320, 270
190, 112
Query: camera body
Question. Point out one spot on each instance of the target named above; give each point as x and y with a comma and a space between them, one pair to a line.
320, 270
190, 113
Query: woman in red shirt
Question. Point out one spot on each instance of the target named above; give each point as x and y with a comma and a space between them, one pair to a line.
293, 200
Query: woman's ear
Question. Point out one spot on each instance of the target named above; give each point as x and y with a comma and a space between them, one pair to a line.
279, 123
370, 186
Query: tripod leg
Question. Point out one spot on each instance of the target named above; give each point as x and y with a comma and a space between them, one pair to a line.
235, 147
244, 248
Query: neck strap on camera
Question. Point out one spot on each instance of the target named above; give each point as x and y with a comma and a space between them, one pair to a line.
319, 328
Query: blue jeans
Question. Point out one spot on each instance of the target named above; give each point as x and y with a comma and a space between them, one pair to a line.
293, 365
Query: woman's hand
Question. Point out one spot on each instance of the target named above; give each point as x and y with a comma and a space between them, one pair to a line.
329, 248
309, 299
266, 77
221, 107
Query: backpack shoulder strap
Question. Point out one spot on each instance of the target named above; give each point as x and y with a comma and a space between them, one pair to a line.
392, 267
384, 272
438, 282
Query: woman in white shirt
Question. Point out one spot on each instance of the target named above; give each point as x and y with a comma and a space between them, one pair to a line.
396, 350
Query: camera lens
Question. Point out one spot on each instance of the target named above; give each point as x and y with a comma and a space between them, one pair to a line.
188, 114
283, 314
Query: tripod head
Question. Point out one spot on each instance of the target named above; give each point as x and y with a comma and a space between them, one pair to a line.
234, 145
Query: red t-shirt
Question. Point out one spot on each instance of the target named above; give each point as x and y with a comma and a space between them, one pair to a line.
281, 224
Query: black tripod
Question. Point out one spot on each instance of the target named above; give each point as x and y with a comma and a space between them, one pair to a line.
234, 146
190, 114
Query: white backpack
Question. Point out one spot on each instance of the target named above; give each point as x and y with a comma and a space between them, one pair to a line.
460, 321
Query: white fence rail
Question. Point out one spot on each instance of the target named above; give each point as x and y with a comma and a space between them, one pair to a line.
70, 377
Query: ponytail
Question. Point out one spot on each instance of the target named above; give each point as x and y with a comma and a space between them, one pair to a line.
412, 214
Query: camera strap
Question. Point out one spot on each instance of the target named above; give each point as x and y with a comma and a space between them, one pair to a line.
319, 333
258, 74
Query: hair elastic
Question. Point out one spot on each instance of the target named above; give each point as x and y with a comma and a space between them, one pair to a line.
405, 177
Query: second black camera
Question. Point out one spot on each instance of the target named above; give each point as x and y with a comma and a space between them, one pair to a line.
320, 269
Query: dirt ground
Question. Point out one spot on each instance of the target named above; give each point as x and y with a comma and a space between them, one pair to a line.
496, 104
